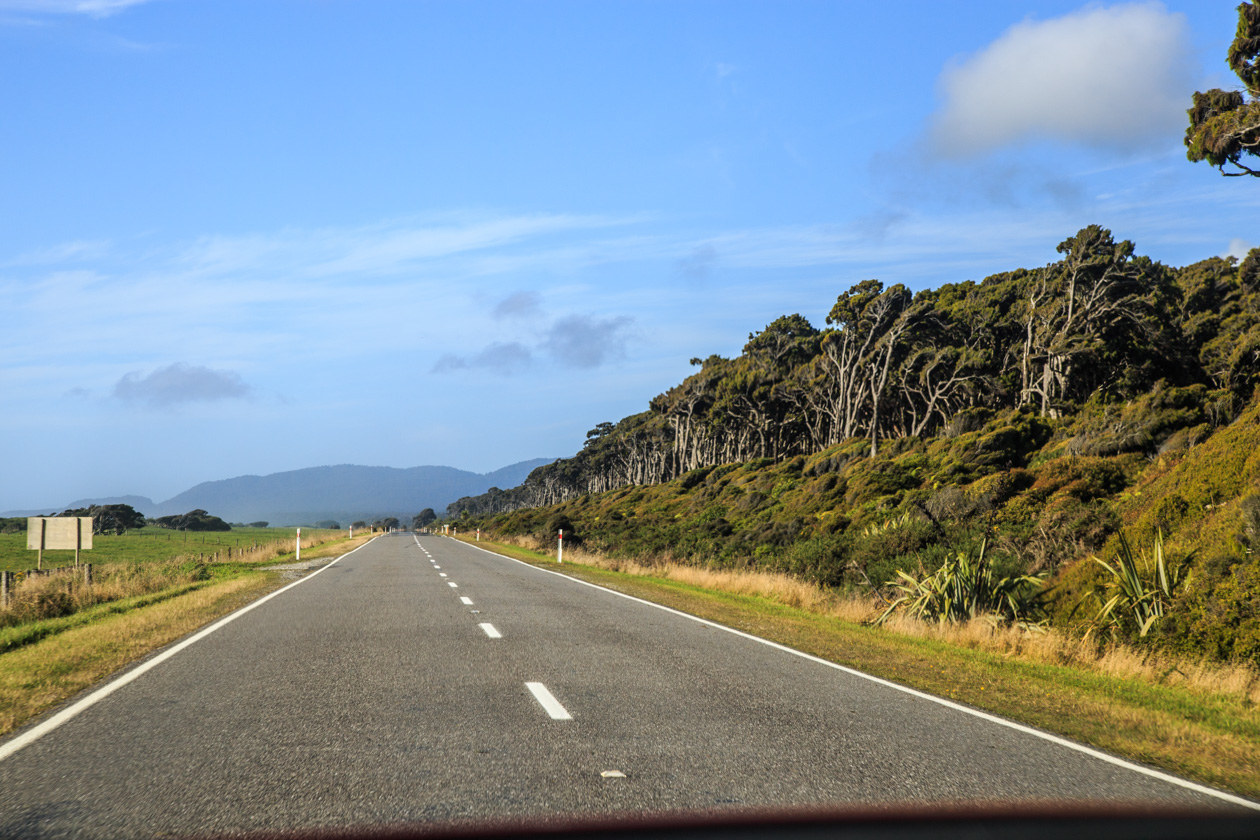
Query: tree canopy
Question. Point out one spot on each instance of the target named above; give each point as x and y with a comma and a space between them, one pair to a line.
1225, 124
194, 520
117, 519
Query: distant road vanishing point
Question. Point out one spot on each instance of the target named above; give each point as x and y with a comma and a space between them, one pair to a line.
420, 679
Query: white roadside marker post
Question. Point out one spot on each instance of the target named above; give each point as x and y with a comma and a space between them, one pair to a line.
299, 545
478, 535
560, 547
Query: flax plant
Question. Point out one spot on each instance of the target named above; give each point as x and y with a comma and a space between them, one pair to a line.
965, 587
1140, 593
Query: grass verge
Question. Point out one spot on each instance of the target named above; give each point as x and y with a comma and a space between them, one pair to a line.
1213, 738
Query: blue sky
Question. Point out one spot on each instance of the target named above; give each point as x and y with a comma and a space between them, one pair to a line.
245, 237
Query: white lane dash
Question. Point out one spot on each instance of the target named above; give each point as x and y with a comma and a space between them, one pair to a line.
436, 566
441, 574
549, 703
465, 600
452, 584
490, 631
967, 710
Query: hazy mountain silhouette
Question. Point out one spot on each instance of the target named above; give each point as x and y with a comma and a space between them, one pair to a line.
345, 492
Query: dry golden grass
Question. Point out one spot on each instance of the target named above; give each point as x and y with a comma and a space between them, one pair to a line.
65, 591
1240, 680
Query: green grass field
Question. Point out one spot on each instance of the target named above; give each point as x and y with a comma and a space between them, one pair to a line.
147, 545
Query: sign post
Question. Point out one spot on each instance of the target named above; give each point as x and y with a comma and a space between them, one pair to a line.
64, 533
560, 547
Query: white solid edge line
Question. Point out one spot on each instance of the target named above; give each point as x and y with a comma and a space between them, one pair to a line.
489, 630
545, 699
1010, 724
35, 733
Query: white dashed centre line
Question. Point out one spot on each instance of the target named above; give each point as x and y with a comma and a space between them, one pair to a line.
490, 631
452, 584
441, 574
549, 703
465, 600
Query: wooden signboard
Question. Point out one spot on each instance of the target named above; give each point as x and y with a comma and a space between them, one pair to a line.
58, 532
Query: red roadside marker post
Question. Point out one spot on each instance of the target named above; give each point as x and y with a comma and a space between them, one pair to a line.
560, 547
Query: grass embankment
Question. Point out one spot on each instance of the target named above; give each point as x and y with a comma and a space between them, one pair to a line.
1195, 719
60, 637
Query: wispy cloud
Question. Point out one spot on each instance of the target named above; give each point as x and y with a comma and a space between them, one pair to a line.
65, 252
696, 265
572, 341
180, 383
92, 8
503, 359
518, 305
381, 249
587, 341
1105, 77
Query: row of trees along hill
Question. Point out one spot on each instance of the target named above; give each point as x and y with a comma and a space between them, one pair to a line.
1099, 327
1043, 413
119, 518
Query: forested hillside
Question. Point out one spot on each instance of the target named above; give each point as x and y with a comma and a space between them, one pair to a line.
1042, 414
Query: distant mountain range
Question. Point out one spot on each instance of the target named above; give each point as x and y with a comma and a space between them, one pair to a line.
344, 492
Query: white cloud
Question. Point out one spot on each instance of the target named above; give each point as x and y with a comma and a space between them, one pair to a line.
1112, 77
1238, 248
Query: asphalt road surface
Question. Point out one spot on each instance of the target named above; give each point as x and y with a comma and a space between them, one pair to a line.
421, 679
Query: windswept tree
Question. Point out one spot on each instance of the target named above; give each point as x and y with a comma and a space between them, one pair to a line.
1225, 124
106, 519
194, 520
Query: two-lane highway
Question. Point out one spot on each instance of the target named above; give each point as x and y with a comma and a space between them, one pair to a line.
422, 679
